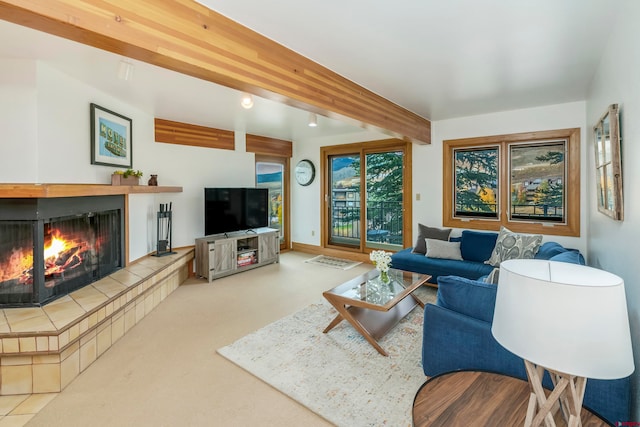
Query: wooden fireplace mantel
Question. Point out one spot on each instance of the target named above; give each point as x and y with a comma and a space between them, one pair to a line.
31, 191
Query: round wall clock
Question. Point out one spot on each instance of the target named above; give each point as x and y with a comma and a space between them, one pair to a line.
305, 172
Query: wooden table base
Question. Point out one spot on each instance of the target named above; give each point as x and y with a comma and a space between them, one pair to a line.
471, 398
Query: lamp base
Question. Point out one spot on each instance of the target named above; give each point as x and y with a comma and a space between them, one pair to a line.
567, 396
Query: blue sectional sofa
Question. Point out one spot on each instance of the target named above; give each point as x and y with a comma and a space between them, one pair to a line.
475, 247
457, 336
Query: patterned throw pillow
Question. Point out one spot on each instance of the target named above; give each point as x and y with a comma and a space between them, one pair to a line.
514, 246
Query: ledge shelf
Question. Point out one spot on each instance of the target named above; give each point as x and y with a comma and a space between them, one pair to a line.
30, 191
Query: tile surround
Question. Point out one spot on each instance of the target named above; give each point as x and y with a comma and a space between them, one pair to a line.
42, 349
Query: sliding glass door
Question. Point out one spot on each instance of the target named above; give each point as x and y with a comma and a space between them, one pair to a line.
364, 196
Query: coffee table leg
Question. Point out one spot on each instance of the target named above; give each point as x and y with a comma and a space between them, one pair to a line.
418, 300
333, 323
343, 313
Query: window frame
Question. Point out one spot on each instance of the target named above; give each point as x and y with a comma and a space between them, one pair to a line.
571, 226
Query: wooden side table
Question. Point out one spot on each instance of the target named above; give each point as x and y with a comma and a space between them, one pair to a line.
473, 398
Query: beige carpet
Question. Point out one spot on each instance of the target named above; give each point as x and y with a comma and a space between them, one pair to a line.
166, 372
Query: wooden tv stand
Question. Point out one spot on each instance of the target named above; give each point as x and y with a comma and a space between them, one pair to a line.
221, 255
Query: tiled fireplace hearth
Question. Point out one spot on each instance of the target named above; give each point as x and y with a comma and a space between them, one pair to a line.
44, 348
46, 344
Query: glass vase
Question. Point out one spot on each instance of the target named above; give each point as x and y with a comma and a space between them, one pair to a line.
384, 277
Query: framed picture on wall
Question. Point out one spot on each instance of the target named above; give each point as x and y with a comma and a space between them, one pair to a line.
111, 138
609, 164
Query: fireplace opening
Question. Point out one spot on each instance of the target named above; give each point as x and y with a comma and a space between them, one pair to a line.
57, 246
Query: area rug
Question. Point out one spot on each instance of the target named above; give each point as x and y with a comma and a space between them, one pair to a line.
338, 375
329, 261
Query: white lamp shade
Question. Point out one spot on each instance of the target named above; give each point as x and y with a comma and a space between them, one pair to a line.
566, 317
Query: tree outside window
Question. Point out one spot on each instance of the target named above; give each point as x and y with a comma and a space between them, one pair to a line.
476, 182
537, 181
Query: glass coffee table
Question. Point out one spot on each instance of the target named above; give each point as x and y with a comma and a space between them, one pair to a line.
373, 307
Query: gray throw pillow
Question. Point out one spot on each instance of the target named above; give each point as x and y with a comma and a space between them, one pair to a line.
514, 246
443, 249
425, 232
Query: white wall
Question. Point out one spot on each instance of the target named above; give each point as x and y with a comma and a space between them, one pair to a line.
613, 245
44, 115
427, 159
18, 116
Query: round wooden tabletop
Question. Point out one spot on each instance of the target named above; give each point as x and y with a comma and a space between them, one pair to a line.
473, 398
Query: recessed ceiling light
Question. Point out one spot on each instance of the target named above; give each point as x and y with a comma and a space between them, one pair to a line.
247, 100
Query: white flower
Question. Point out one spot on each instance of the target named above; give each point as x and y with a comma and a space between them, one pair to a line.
381, 259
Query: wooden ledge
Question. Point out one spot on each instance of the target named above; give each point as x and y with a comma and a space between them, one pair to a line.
31, 191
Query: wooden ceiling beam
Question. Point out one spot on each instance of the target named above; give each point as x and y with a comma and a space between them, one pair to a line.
184, 36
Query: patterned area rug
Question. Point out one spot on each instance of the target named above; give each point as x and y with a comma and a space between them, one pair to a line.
338, 375
328, 261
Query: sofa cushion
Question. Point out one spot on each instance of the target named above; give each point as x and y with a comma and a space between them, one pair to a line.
441, 249
510, 245
406, 260
549, 249
425, 232
477, 246
470, 297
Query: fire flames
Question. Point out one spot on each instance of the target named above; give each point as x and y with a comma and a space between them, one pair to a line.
60, 254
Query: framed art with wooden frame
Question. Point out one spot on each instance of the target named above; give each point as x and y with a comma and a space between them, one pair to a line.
609, 164
111, 138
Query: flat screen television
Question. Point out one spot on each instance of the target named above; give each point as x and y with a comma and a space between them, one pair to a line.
235, 209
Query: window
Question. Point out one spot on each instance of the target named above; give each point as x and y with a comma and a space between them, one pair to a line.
528, 182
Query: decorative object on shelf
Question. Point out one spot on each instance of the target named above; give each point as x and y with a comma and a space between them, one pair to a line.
153, 181
111, 138
164, 236
126, 177
305, 172
382, 261
608, 164
568, 319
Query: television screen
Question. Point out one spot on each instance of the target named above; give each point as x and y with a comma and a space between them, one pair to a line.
235, 209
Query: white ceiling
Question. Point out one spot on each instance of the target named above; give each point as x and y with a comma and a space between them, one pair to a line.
440, 59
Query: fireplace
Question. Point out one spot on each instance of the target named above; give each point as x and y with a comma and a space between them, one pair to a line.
50, 247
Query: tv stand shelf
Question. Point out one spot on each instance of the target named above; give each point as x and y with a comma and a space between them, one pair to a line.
220, 255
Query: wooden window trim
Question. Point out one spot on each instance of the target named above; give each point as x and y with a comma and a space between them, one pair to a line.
268, 146
572, 186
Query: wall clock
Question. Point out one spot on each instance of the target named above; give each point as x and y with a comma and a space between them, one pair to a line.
305, 172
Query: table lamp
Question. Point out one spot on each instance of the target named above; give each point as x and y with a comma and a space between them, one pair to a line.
568, 319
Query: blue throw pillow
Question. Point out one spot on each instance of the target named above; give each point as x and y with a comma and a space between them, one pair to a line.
571, 256
549, 249
477, 246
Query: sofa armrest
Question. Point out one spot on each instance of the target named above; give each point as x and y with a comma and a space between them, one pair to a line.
454, 342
